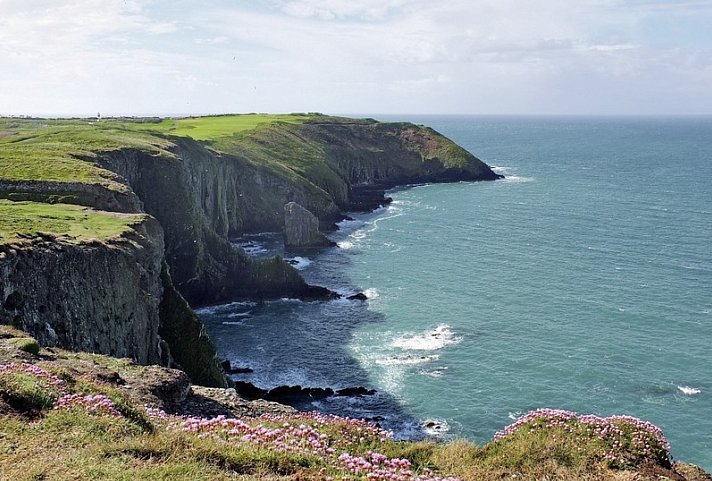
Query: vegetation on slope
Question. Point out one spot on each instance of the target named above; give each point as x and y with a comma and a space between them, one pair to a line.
74, 416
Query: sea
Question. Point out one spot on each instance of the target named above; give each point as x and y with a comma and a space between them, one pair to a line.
581, 281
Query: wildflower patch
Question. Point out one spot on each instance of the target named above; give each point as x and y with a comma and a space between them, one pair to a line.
624, 441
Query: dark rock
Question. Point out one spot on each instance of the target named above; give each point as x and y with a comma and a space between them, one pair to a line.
309, 293
298, 392
111, 377
240, 370
358, 297
211, 402
355, 391
249, 390
291, 394
227, 367
301, 228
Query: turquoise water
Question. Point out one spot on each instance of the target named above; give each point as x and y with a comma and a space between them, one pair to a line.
583, 281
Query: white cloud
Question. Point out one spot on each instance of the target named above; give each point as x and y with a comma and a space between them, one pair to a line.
487, 56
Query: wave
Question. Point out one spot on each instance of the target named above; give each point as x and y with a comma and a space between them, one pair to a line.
299, 262
432, 340
345, 244
252, 250
239, 314
371, 293
517, 179
689, 391
435, 427
509, 176
223, 307
349, 224
406, 359
233, 323
437, 372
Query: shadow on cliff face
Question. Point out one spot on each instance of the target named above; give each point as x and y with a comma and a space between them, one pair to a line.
290, 342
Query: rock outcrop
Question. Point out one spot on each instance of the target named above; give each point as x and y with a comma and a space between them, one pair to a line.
301, 228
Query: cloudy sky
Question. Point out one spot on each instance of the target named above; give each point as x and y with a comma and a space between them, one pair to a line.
80, 57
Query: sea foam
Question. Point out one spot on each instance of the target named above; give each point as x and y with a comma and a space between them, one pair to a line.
299, 262
689, 391
432, 340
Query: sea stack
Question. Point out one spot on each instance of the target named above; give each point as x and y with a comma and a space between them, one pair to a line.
301, 228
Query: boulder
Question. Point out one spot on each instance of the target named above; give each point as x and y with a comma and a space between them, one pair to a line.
301, 228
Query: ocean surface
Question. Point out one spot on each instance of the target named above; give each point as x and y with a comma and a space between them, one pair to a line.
582, 281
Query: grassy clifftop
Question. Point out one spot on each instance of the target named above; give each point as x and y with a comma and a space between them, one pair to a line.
21, 221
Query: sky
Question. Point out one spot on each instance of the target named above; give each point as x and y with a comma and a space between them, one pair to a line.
535, 57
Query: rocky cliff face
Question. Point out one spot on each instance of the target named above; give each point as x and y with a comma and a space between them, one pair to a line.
202, 198
95, 297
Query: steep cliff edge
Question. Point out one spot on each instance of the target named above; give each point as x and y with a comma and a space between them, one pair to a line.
95, 291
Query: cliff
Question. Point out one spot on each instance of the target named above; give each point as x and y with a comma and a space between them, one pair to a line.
94, 292
205, 181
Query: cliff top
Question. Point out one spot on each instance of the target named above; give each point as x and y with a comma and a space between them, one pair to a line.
62, 160
69, 224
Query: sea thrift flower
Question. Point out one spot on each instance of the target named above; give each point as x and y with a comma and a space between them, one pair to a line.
629, 440
93, 403
313, 434
54, 385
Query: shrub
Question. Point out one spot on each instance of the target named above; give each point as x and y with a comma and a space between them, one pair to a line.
27, 344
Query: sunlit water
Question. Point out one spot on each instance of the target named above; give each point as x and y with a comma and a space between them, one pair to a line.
583, 281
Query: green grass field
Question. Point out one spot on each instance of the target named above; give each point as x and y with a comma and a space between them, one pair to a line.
215, 127
68, 223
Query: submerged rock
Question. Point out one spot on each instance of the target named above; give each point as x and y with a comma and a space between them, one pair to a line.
301, 228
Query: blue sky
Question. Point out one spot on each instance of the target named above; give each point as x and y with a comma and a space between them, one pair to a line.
355, 56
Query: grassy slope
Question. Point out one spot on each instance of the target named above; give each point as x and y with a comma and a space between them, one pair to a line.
61, 150
42, 437
70, 223
52, 150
